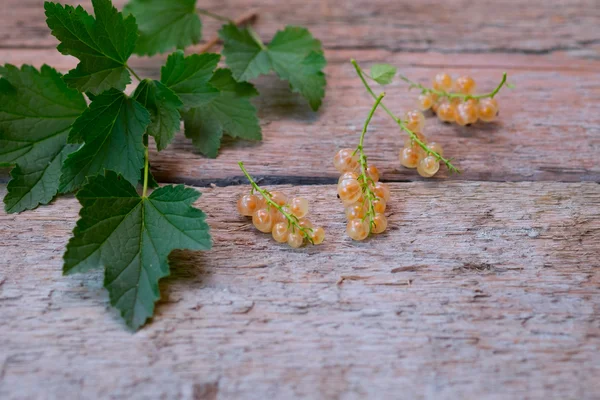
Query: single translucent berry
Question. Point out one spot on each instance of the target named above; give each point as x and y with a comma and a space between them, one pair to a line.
379, 205
434, 146
382, 191
466, 113
348, 175
298, 206
318, 235
428, 166
446, 112
278, 198
262, 220
356, 210
414, 120
410, 142
305, 223
379, 223
349, 190
277, 216
295, 239
357, 229
464, 85
442, 81
425, 101
373, 173
247, 204
345, 160
488, 109
280, 232
409, 157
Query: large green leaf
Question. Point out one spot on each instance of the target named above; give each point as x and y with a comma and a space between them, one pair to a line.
102, 45
112, 129
37, 110
163, 105
165, 25
131, 237
231, 113
294, 54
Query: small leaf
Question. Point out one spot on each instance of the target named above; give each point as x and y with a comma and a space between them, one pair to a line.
188, 77
163, 105
231, 113
112, 128
165, 25
383, 73
102, 45
37, 110
131, 237
293, 54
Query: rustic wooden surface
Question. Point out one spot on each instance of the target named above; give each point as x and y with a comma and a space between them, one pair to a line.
481, 288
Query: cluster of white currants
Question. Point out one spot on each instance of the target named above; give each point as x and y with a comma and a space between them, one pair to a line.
413, 155
285, 220
464, 109
363, 196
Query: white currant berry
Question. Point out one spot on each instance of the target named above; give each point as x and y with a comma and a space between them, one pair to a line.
345, 160
295, 239
442, 81
434, 146
466, 113
410, 156
446, 112
379, 205
280, 232
379, 223
382, 191
278, 198
356, 210
357, 229
247, 204
349, 190
415, 120
298, 206
318, 235
348, 175
487, 109
428, 167
464, 85
425, 101
262, 220
373, 173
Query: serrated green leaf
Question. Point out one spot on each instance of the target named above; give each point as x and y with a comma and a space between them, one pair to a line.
112, 128
165, 25
163, 105
102, 45
188, 77
37, 110
131, 237
294, 54
231, 113
383, 73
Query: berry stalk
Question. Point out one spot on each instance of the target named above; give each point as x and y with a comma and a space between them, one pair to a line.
452, 95
146, 163
401, 124
292, 220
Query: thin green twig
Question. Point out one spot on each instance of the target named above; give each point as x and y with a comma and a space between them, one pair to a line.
133, 72
451, 95
146, 163
293, 221
401, 124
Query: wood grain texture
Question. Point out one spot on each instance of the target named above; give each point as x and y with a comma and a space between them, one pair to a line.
549, 127
477, 290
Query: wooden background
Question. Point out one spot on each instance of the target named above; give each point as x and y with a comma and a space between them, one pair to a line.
486, 285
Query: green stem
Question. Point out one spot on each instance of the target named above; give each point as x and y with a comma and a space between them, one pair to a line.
146, 163
133, 72
256, 38
370, 196
292, 219
449, 95
213, 15
400, 123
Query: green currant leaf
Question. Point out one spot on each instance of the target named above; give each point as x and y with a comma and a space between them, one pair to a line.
188, 77
102, 45
131, 237
112, 128
37, 110
231, 113
165, 25
383, 73
293, 54
163, 105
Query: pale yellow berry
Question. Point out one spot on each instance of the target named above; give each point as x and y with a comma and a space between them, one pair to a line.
428, 166
464, 85
379, 223
488, 109
349, 190
247, 204
345, 160
277, 216
357, 229
356, 210
382, 191
434, 146
305, 223
466, 113
425, 101
262, 220
409, 157
278, 198
414, 120
446, 112
298, 206
280, 232
295, 239
318, 235
379, 205
373, 173
348, 175
442, 81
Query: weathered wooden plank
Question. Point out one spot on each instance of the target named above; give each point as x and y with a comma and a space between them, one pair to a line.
513, 26
477, 290
549, 128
